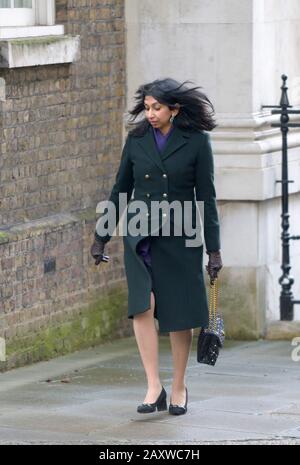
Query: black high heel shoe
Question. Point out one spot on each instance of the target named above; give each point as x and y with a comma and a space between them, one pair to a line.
175, 409
160, 404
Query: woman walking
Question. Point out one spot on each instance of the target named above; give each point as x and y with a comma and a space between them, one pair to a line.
167, 156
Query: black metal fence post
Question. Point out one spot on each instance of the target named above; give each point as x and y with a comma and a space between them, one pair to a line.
286, 281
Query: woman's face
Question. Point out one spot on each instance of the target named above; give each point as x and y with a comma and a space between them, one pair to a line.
157, 113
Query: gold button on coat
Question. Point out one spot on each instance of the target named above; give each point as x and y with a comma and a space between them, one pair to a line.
147, 176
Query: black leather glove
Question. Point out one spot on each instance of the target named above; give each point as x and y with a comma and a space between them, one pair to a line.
97, 251
214, 265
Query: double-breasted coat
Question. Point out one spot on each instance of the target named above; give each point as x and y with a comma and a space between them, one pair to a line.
183, 171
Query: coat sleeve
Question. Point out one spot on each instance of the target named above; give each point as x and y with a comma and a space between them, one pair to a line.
205, 191
123, 184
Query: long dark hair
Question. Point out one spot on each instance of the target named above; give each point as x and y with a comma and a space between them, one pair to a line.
196, 112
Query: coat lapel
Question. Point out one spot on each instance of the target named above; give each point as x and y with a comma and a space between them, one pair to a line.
177, 139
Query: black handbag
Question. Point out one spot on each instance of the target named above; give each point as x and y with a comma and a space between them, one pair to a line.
211, 339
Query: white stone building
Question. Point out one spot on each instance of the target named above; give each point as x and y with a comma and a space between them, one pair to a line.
237, 51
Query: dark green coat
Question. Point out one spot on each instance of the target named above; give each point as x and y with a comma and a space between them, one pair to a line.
184, 170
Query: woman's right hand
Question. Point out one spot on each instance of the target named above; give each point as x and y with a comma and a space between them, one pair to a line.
97, 251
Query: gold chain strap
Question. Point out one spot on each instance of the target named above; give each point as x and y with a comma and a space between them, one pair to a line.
213, 300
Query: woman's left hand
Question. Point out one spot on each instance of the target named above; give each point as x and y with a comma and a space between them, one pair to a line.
214, 265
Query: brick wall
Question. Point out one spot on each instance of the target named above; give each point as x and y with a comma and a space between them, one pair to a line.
61, 139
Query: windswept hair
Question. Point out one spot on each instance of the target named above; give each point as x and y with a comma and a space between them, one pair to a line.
196, 112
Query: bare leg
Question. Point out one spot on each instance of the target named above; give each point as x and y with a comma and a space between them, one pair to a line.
181, 344
147, 341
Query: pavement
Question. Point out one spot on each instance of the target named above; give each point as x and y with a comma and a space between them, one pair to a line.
251, 396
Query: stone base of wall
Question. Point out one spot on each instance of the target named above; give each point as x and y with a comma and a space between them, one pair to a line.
53, 298
72, 329
283, 330
238, 302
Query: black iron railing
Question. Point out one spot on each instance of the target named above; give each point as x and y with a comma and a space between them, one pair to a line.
286, 281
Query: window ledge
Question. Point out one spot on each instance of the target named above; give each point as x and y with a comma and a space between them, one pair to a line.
14, 32
39, 50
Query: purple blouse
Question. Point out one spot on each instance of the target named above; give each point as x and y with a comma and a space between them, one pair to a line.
161, 138
144, 245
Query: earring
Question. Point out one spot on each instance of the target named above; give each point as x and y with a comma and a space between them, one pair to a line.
172, 119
